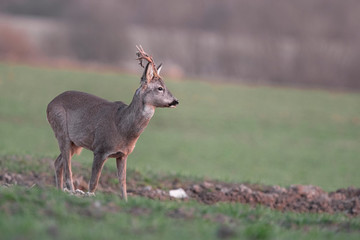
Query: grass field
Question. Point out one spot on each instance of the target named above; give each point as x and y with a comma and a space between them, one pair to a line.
228, 132
40, 214
238, 133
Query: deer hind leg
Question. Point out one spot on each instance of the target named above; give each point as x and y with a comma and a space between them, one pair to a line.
66, 161
74, 149
59, 169
98, 164
57, 120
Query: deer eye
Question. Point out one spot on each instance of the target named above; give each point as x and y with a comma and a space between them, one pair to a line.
160, 88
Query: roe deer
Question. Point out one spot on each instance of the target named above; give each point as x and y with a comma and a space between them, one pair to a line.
109, 129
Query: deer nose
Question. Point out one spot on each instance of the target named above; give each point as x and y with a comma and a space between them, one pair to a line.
174, 103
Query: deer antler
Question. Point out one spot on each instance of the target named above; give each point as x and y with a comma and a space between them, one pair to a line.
141, 54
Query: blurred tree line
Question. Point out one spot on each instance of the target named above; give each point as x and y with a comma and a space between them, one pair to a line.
288, 42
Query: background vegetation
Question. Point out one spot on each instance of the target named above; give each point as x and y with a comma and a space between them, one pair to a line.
301, 43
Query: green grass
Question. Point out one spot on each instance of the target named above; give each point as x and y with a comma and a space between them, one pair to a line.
229, 132
49, 214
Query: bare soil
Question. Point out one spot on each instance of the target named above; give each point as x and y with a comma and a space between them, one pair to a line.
297, 198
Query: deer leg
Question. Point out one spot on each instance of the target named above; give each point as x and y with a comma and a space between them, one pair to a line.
57, 121
74, 150
98, 164
59, 169
63, 163
66, 160
121, 168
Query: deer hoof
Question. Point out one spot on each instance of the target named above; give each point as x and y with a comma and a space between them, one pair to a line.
90, 194
80, 192
68, 191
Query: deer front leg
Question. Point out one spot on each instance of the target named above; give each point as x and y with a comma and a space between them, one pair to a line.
98, 164
121, 167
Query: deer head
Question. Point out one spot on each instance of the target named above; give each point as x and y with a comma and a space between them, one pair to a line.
153, 90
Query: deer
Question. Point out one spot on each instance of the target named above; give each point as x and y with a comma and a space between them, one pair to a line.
108, 129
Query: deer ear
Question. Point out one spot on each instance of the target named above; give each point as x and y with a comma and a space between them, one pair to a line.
148, 74
159, 68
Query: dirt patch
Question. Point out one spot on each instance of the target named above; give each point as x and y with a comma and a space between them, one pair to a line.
297, 198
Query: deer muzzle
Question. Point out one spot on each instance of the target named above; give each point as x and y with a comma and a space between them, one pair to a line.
174, 103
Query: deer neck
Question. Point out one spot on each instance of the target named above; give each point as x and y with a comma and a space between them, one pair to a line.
135, 117
142, 112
